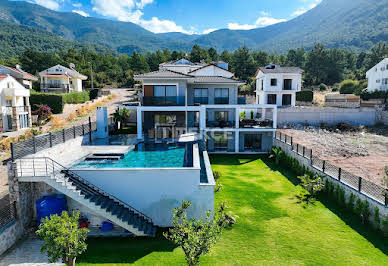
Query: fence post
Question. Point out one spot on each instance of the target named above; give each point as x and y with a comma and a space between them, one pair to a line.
74, 131
292, 141
323, 166
386, 199
90, 130
63, 135
311, 154
359, 183
280, 136
83, 130
12, 152
339, 174
34, 143
304, 149
51, 139
297, 147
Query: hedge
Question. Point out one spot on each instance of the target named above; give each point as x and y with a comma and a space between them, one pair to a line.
305, 96
348, 86
55, 101
365, 95
76, 97
93, 94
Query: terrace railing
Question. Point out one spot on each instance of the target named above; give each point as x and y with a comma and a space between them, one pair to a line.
361, 185
7, 211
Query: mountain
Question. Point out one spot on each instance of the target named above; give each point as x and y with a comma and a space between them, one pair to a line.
352, 24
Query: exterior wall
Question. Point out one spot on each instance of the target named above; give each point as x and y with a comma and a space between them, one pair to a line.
212, 71
77, 84
233, 92
348, 190
378, 73
317, 115
154, 192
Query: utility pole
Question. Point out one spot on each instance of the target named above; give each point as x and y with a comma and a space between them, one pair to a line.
91, 75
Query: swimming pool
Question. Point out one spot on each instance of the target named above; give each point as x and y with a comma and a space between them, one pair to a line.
144, 155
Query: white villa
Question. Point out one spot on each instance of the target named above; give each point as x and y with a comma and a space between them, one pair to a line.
19, 74
60, 79
184, 97
15, 110
378, 76
278, 85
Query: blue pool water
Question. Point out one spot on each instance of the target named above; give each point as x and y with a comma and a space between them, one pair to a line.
147, 155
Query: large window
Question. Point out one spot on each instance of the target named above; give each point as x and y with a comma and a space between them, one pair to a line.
221, 116
286, 99
163, 95
287, 84
221, 96
165, 119
23, 121
274, 82
220, 140
271, 99
165, 91
200, 96
252, 142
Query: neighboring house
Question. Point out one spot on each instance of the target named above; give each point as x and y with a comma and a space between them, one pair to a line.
278, 85
183, 97
15, 112
378, 76
21, 76
60, 79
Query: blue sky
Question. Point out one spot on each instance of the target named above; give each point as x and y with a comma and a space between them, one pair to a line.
198, 16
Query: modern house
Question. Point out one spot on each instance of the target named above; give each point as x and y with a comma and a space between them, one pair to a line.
378, 76
15, 111
19, 74
278, 85
184, 97
60, 79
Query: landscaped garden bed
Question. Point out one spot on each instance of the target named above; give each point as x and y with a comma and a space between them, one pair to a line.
272, 227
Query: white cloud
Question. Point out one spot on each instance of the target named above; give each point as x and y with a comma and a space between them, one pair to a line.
80, 12
78, 5
50, 4
304, 9
264, 13
260, 22
131, 11
143, 3
208, 31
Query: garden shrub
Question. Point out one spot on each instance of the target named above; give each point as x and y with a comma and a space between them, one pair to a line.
216, 175
351, 202
365, 212
348, 86
322, 87
76, 97
384, 226
341, 195
93, 94
365, 95
52, 100
335, 89
376, 217
358, 208
305, 96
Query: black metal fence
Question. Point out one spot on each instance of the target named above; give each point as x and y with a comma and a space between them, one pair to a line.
7, 211
48, 140
358, 183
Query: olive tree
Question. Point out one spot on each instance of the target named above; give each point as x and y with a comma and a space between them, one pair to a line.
63, 239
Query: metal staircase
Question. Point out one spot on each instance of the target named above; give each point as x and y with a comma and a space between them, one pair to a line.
74, 186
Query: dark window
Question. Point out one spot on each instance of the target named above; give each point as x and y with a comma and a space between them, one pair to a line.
287, 84
221, 96
252, 142
274, 82
220, 140
165, 119
271, 99
200, 96
221, 116
262, 84
286, 99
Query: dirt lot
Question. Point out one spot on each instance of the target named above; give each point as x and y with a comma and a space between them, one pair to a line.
363, 153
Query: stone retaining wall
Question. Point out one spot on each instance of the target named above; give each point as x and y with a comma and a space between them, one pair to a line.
9, 235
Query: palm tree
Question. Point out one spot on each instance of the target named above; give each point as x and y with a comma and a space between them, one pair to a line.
276, 153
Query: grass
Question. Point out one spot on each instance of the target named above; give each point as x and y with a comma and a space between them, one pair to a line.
125, 130
272, 227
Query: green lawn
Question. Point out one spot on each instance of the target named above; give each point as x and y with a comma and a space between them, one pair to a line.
272, 227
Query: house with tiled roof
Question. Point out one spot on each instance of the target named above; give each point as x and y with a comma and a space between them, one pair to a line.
15, 110
19, 74
278, 85
183, 97
60, 79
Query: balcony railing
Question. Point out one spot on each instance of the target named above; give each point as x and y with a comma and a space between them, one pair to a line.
241, 100
201, 100
254, 123
220, 124
54, 86
19, 109
221, 100
161, 101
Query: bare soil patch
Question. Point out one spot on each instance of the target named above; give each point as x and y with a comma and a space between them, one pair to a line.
363, 153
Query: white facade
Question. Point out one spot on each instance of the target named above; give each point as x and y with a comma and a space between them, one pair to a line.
60, 79
278, 85
15, 111
378, 76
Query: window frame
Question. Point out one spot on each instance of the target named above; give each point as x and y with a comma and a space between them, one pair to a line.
276, 82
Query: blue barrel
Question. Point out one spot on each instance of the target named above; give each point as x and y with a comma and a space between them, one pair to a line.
50, 205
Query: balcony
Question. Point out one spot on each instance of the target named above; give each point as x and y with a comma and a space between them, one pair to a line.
163, 101
255, 123
18, 109
65, 87
220, 124
221, 100
201, 100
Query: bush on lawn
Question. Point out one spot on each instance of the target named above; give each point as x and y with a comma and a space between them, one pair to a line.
365, 95
348, 86
93, 94
76, 97
305, 96
322, 87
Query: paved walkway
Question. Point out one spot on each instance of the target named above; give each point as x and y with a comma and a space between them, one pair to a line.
26, 252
